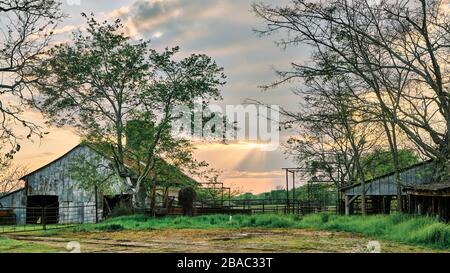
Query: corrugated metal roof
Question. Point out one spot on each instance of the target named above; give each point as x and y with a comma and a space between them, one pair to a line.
431, 187
388, 174
386, 185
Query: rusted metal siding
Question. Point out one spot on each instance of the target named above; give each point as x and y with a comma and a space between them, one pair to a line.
17, 202
386, 185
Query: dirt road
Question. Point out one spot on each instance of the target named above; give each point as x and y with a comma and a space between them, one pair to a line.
217, 240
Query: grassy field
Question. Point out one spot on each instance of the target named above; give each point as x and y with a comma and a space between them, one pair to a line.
217, 240
420, 231
8, 245
413, 230
315, 232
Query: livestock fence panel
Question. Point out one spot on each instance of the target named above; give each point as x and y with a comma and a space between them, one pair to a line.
34, 218
24, 219
249, 206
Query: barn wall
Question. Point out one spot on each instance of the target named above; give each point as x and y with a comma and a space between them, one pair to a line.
387, 185
16, 200
75, 204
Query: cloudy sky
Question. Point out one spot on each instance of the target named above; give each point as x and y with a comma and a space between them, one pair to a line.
222, 29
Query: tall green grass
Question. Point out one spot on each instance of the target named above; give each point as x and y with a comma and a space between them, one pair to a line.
140, 222
423, 231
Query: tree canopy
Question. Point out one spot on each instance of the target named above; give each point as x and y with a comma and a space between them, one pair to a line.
106, 84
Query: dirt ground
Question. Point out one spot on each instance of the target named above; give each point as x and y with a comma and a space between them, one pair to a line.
208, 241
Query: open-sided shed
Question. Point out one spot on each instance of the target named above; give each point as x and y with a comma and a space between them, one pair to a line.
430, 199
380, 191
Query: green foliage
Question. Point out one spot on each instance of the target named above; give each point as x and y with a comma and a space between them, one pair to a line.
8, 245
94, 172
123, 208
140, 222
111, 227
380, 163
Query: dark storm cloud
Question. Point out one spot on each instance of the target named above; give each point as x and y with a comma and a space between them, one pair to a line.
144, 10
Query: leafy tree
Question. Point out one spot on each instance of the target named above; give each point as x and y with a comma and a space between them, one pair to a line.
380, 162
103, 80
96, 173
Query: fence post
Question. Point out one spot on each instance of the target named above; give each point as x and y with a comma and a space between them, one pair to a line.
96, 205
43, 221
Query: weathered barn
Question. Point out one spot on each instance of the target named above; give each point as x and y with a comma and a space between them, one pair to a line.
381, 191
430, 199
51, 186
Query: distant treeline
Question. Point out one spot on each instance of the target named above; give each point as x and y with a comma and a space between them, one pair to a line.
323, 193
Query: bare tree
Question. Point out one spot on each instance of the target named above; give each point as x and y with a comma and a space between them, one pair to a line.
336, 132
9, 178
397, 52
25, 30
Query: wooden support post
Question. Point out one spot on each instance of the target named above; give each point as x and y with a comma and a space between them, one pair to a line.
347, 205
96, 204
419, 207
287, 191
432, 206
441, 208
410, 203
293, 192
416, 205
43, 220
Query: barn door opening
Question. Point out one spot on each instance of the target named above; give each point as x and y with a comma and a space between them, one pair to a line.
42, 207
116, 205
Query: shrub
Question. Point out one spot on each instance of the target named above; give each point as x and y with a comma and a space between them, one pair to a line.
121, 209
111, 227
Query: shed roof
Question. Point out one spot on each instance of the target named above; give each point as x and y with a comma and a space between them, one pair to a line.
430, 187
387, 174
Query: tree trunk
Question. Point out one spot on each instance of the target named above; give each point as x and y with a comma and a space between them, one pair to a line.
166, 197
153, 197
363, 198
140, 197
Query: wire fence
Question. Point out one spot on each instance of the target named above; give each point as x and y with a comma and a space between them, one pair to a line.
23, 219
250, 206
281, 206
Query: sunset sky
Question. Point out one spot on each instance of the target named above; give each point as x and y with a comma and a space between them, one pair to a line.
222, 29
